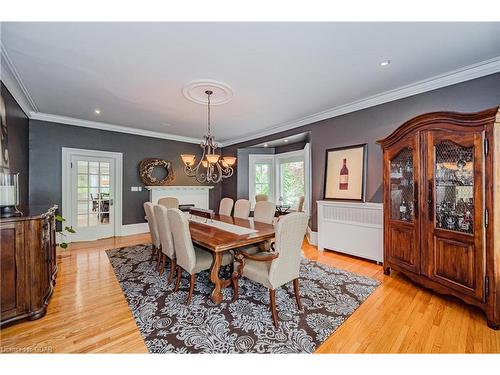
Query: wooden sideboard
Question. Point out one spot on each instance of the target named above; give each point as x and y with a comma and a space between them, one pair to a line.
28, 263
442, 205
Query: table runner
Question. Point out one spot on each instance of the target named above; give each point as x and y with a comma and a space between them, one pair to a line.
222, 225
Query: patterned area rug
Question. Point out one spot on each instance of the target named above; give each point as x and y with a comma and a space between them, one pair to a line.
329, 296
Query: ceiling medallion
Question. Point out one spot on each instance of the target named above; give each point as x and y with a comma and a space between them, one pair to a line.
196, 92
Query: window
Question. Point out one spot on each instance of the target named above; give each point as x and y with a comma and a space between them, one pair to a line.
291, 181
261, 176
284, 178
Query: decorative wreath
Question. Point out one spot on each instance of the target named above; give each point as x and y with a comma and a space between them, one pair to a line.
146, 172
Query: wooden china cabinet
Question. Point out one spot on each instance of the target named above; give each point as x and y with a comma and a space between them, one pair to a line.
442, 205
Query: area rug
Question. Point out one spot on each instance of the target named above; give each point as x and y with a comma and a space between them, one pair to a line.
168, 325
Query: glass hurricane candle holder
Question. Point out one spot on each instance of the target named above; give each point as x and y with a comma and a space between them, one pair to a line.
9, 194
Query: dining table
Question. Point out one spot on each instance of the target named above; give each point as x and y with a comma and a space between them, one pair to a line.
221, 234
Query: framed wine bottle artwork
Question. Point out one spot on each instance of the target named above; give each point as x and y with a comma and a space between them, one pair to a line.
345, 173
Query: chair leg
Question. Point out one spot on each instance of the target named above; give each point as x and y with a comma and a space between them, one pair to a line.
172, 270
163, 263
272, 297
234, 280
179, 274
192, 281
296, 291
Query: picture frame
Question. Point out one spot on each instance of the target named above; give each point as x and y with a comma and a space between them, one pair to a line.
345, 173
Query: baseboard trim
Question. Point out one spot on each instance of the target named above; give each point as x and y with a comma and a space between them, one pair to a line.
312, 237
138, 228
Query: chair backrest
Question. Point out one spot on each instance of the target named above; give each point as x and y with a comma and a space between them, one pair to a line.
164, 231
153, 228
242, 208
301, 204
184, 249
290, 232
264, 212
226, 206
261, 198
169, 202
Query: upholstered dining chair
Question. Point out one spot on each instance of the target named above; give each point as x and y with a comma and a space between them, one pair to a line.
153, 229
242, 208
226, 206
264, 212
279, 267
301, 204
190, 258
261, 198
169, 202
165, 234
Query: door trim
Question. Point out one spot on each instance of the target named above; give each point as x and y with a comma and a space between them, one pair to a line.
66, 208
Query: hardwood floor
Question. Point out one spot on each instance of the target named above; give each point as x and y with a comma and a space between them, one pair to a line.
88, 312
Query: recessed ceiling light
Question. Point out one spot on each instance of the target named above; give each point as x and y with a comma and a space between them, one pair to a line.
97, 111
286, 140
265, 145
385, 62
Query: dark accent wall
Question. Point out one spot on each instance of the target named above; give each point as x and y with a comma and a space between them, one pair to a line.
17, 135
47, 140
369, 125
290, 147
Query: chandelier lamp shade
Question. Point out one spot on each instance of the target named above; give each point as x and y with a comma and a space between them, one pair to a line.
211, 167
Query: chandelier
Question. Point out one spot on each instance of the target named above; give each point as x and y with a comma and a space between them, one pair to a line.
211, 167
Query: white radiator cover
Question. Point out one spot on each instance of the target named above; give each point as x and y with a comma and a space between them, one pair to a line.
351, 228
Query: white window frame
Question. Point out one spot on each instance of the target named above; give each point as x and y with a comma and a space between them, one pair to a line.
256, 159
275, 160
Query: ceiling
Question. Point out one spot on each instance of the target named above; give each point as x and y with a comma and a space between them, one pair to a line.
281, 75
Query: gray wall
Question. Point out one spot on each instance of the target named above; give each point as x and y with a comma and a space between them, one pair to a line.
47, 139
371, 124
17, 136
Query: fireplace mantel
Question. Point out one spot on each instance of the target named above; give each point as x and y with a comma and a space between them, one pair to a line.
197, 195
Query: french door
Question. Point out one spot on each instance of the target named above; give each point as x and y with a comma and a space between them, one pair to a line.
90, 187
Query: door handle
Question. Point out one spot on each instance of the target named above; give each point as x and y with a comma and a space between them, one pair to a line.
111, 202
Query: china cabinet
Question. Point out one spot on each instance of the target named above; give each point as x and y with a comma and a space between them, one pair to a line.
442, 205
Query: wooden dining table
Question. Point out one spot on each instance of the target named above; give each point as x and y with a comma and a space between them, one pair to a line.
219, 241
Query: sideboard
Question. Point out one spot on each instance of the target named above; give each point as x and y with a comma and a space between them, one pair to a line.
28, 263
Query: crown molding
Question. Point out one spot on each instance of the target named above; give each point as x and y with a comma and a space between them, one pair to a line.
109, 127
467, 73
14, 83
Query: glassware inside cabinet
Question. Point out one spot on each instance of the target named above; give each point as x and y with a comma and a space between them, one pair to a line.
454, 187
402, 194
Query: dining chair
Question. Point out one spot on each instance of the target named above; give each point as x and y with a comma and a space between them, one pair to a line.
301, 204
264, 212
274, 269
242, 208
169, 202
167, 245
190, 258
153, 229
226, 206
261, 198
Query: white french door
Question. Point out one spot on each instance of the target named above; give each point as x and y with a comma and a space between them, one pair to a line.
90, 190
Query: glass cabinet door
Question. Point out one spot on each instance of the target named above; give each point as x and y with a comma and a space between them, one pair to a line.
401, 186
454, 187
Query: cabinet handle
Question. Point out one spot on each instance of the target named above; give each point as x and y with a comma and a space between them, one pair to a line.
415, 199
429, 201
